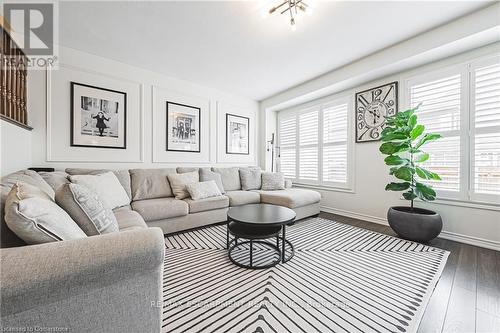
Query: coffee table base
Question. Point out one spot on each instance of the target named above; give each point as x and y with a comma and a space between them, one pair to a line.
251, 257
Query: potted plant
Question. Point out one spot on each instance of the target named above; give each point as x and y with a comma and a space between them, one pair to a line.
403, 139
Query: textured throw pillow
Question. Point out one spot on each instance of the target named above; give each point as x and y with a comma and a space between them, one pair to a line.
273, 181
250, 179
86, 209
179, 181
206, 174
122, 175
230, 178
35, 218
106, 186
203, 190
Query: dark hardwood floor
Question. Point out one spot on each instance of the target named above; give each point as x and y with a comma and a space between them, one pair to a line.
467, 296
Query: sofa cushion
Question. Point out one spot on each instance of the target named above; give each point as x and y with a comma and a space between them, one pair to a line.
250, 179
35, 218
129, 219
273, 181
237, 198
122, 175
187, 169
106, 186
150, 183
206, 174
55, 178
86, 209
160, 208
230, 178
291, 198
212, 203
179, 181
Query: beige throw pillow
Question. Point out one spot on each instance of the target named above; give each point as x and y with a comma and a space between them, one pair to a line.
86, 209
203, 190
179, 181
106, 186
35, 218
273, 181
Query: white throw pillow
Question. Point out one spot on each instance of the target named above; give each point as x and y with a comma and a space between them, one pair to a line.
106, 186
35, 218
203, 190
273, 181
179, 181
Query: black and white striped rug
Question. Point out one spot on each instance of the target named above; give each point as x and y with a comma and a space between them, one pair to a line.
341, 279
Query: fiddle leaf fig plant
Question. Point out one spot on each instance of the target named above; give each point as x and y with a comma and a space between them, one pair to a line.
402, 140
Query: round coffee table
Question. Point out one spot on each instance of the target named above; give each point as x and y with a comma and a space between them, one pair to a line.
255, 223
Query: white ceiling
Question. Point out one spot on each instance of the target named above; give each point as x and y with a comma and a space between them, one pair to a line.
229, 46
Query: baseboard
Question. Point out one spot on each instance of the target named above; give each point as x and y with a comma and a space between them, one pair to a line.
476, 241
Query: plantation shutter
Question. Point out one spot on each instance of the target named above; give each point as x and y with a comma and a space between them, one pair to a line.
440, 112
308, 145
287, 136
485, 150
335, 154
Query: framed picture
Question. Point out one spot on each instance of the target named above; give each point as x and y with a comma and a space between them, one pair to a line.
98, 117
183, 127
237, 134
372, 107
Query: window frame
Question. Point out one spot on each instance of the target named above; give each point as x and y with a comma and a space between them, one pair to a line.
320, 105
466, 131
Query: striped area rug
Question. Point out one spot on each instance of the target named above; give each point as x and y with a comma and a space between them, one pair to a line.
341, 279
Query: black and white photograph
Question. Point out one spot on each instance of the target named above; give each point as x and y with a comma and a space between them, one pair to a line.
183, 127
98, 117
237, 134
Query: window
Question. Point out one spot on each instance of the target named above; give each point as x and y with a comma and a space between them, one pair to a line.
315, 143
463, 105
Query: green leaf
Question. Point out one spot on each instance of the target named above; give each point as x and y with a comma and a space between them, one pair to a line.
409, 195
412, 121
421, 157
389, 148
392, 170
396, 160
426, 174
425, 192
394, 136
404, 173
417, 131
397, 186
426, 138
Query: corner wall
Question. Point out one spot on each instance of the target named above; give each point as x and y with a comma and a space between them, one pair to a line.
15, 150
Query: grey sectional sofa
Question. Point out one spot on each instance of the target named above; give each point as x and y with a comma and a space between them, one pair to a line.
113, 282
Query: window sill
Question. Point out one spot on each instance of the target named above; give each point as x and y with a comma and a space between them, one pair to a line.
323, 188
462, 203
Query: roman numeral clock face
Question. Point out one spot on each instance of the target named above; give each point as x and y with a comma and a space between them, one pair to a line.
372, 106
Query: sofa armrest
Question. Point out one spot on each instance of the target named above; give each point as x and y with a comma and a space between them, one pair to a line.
288, 183
32, 276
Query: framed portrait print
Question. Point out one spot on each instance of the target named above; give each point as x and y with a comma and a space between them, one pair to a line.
183, 127
98, 117
237, 134
372, 107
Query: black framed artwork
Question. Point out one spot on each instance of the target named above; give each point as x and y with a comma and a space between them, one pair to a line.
237, 134
183, 127
98, 117
372, 107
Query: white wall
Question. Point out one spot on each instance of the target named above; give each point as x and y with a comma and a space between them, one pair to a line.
146, 95
15, 148
475, 224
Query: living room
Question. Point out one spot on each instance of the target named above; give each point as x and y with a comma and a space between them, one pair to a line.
256, 166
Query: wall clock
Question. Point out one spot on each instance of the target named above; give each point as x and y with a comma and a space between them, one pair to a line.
372, 106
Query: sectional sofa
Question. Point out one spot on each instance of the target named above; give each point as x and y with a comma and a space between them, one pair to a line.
113, 282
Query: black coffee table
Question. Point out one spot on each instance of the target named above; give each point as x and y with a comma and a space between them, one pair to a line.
255, 223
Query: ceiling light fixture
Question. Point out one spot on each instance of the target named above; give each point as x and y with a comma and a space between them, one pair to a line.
294, 8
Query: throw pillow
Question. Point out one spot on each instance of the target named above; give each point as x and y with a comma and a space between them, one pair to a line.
250, 179
179, 181
86, 209
273, 181
35, 218
55, 178
206, 174
106, 186
203, 190
230, 178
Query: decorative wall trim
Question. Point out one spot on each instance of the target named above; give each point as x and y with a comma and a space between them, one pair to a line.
476, 241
